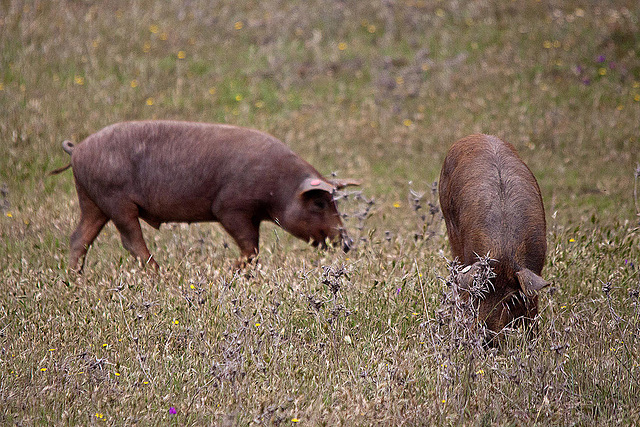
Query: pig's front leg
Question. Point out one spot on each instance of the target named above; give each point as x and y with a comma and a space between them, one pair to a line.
245, 232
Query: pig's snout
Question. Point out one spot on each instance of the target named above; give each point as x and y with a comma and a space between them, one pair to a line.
341, 239
346, 241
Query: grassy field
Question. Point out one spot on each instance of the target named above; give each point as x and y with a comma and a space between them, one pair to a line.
372, 90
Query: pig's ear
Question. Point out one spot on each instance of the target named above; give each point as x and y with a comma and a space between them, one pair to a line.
315, 184
465, 276
341, 183
530, 282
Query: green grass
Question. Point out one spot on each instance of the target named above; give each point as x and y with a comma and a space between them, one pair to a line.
371, 90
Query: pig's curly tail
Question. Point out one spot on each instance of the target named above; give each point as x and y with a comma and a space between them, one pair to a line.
67, 146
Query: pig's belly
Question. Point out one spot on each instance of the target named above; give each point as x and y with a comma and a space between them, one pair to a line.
180, 210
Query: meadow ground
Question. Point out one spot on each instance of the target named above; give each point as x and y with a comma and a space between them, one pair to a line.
373, 90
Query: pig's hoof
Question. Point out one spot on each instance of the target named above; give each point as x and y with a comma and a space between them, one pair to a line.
243, 263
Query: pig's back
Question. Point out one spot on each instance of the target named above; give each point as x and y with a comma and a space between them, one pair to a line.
493, 202
174, 141
168, 150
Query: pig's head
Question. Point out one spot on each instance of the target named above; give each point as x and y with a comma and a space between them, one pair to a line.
312, 215
511, 297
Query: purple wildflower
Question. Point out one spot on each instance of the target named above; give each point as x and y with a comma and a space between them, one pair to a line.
601, 58
172, 410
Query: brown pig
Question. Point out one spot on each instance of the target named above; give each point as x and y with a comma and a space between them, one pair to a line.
492, 206
170, 171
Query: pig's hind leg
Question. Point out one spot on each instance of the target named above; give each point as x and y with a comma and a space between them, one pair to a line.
128, 224
92, 219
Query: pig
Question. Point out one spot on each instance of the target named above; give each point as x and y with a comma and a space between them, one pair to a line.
172, 171
492, 205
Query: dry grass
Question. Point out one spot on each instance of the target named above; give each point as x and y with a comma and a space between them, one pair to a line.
371, 90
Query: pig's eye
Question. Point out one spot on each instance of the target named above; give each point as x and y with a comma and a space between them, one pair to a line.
320, 204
